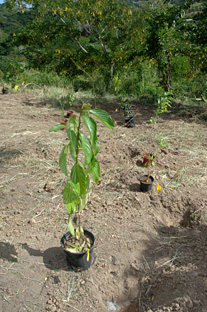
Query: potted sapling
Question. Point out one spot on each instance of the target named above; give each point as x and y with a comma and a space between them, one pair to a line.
5, 89
78, 243
126, 108
146, 180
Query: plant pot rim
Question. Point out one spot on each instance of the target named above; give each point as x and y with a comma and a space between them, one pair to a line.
129, 116
145, 175
67, 234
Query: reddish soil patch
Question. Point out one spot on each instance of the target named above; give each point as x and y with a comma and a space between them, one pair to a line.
151, 248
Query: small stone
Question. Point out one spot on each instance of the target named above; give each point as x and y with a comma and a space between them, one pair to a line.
48, 187
109, 202
82, 282
32, 221
176, 306
189, 304
196, 302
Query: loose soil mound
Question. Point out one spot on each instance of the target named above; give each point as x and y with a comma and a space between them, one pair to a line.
151, 248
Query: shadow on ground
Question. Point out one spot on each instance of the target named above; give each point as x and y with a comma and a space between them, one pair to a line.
175, 258
53, 258
8, 252
7, 154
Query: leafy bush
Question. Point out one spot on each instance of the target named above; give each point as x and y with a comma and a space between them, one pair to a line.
47, 78
98, 83
95, 82
82, 83
191, 87
141, 81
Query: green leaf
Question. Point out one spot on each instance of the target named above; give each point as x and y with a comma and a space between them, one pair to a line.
72, 125
73, 143
78, 177
103, 116
57, 127
70, 226
95, 167
84, 197
63, 159
71, 197
96, 146
87, 149
92, 127
76, 247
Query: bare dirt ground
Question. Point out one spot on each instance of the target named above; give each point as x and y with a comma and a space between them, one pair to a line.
151, 248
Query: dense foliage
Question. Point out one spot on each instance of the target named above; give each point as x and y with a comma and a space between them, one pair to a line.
131, 48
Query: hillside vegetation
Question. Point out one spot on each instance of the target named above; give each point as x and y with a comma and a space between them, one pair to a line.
128, 48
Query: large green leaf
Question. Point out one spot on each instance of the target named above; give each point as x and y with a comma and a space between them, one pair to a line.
63, 159
95, 168
57, 127
73, 143
70, 226
92, 127
103, 116
72, 125
87, 149
71, 193
78, 177
96, 146
84, 197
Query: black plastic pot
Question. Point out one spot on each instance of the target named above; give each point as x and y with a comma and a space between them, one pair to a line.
79, 261
145, 186
5, 91
130, 122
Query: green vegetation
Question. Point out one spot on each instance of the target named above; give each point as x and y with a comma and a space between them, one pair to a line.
90, 46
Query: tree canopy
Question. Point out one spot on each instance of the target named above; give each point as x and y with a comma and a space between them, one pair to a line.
111, 36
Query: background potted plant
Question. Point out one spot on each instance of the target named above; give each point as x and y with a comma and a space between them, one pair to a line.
5, 89
126, 108
78, 243
69, 113
146, 181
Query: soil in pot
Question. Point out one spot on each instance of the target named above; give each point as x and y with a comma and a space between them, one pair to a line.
5, 91
69, 114
79, 261
130, 122
146, 183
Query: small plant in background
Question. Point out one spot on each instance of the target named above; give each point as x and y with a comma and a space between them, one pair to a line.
163, 103
16, 74
149, 163
76, 192
62, 105
71, 99
126, 108
161, 140
4, 85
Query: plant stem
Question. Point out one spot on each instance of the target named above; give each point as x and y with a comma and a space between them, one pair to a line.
148, 170
78, 137
77, 152
79, 224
